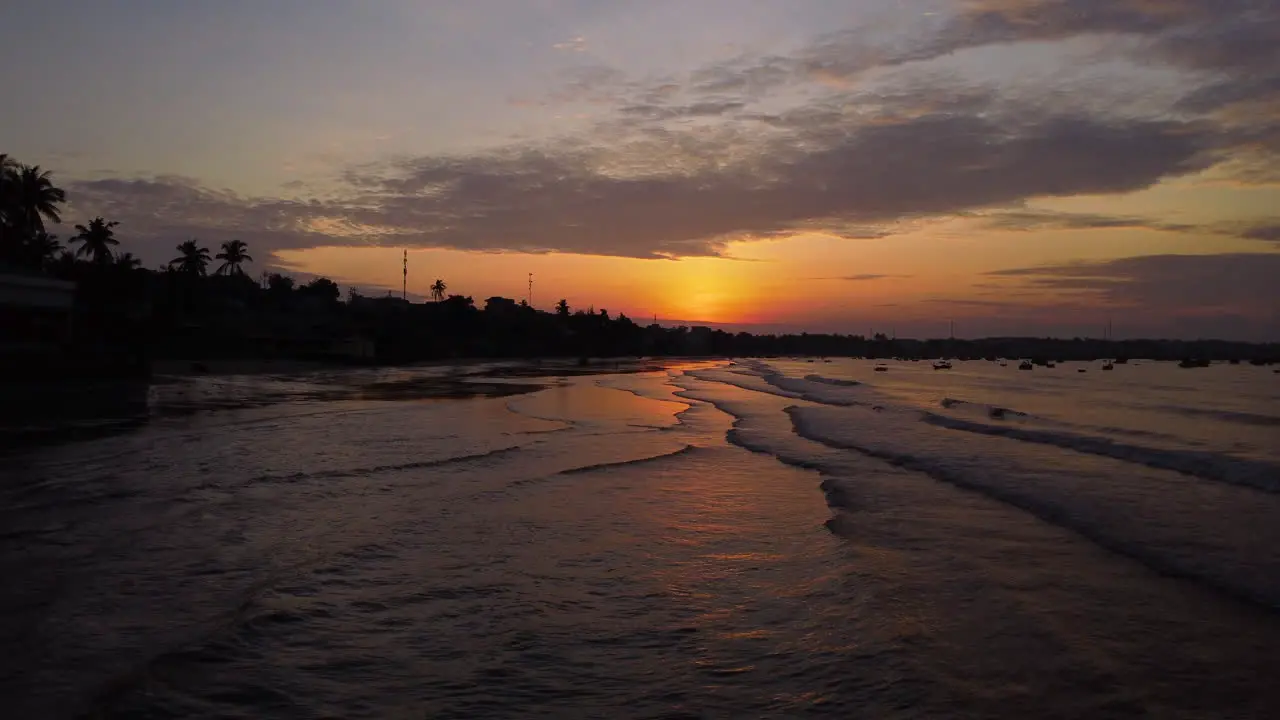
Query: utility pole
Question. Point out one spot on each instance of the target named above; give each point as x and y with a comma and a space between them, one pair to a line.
529, 298
404, 284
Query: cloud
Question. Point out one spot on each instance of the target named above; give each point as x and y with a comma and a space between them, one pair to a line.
660, 193
1226, 53
866, 277
158, 213
1230, 295
1051, 220
655, 111
577, 44
1239, 282
1268, 233
745, 149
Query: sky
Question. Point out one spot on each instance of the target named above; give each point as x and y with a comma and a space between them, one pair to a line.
1017, 167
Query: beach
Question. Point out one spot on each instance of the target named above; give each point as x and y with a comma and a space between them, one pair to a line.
752, 538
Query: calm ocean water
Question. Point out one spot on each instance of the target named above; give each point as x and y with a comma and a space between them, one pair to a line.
720, 540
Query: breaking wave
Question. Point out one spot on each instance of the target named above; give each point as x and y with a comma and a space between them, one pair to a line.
1197, 463
377, 469
1196, 514
687, 449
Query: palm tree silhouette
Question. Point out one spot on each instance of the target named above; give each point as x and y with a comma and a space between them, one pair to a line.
8, 180
126, 261
437, 290
43, 248
96, 240
9, 243
33, 198
562, 308
233, 254
193, 258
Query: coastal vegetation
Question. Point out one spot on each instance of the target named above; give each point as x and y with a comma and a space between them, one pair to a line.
124, 315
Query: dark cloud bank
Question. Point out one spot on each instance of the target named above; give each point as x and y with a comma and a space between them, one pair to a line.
686, 165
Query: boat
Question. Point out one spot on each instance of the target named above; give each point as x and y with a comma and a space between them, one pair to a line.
942, 365
1026, 365
1004, 364
1081, 370
1049, 364
882, 368
1193, 363
1108, 365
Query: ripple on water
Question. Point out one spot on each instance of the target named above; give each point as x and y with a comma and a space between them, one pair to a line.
407, 562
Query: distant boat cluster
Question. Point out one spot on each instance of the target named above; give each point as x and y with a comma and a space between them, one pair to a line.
1033, 363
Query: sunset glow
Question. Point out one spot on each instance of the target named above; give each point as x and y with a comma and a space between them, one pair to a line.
1020, 166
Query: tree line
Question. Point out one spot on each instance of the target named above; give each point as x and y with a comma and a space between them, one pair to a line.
203, 304
29, 201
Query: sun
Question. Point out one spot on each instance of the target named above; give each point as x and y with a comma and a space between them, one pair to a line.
706, 289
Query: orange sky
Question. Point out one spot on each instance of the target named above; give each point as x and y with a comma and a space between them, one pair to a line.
1028, 166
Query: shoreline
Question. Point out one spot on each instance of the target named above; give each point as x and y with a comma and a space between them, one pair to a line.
501, 367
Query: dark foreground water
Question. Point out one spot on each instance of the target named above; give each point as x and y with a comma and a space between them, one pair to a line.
720, 541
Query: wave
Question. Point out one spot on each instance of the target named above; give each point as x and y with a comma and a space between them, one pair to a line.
1218, 534
998, 412
752, 381
831, 381
995, 412
376, 469
761, 377
511, 408
640, 394
1159, 519
820, 393
687, 449
1232, 416
1196, 463
743, 436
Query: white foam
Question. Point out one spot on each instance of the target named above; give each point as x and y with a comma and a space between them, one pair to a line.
1203, 464
1220, 534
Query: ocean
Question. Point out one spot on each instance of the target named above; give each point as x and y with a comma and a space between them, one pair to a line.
722, 539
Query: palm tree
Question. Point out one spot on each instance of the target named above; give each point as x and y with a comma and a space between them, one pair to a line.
32, 198
42, 248
8, 188
193, 258
97, 240
10, 238
562, 308
8, 182
126, 261
437, 290
233, 255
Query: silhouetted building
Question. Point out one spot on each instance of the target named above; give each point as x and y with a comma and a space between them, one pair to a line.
35, 316
500, 305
